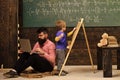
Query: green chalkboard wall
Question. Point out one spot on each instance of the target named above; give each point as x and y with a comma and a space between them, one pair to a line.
37, 13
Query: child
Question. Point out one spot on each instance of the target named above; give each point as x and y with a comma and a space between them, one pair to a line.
61, 44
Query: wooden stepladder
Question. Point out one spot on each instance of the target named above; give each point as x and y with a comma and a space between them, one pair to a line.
79, 25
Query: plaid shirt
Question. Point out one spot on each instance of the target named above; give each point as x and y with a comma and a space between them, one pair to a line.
49, 48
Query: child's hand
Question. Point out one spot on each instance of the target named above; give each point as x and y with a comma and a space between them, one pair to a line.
74, 29
61, 35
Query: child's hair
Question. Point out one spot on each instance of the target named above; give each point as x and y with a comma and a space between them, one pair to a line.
60, 24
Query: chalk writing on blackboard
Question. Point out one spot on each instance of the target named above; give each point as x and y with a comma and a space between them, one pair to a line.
95, 12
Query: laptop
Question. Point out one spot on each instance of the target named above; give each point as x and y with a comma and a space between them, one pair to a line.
25, 45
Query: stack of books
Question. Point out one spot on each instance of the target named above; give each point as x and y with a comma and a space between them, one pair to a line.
112, 41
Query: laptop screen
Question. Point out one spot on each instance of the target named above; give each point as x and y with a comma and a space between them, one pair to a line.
25, 45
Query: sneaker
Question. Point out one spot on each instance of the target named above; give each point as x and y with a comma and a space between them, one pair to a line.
11, 74
63, 73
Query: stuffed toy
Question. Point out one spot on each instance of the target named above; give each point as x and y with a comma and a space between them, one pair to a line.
104, 40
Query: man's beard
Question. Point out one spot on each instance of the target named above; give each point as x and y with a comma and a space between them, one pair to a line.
41, 41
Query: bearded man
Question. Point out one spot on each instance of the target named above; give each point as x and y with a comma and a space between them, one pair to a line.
41, 58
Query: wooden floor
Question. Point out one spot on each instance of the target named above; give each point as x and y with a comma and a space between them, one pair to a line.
75, 72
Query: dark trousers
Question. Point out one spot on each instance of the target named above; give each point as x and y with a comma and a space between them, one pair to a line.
35, 61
